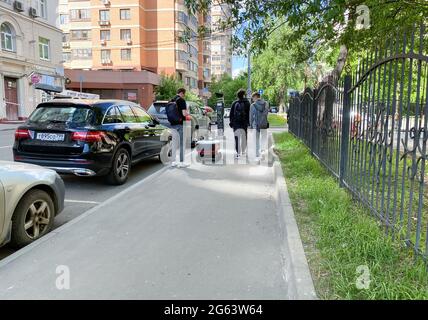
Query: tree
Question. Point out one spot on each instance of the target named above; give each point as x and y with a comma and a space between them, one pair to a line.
228, 86
167, 87
317, 23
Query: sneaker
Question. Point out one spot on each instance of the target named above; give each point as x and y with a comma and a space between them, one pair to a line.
174, 164
237, 156
182, 165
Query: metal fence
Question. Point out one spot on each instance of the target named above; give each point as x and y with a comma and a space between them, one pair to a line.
369, 128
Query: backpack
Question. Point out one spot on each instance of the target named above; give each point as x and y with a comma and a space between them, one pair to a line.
239, 113
172, 113
262, 122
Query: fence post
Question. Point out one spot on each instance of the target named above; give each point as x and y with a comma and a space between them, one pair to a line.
300, 119
314, 120
344, 146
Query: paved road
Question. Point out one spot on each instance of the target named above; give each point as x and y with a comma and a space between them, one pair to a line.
81, 193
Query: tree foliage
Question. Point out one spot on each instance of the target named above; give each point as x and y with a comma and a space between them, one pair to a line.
316, 22
168, 86
228, 86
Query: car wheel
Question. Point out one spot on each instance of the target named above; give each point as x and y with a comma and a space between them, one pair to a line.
166, 151
33, 218
120, 169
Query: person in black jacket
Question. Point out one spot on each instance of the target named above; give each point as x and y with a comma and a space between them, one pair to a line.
239, 121
182, 109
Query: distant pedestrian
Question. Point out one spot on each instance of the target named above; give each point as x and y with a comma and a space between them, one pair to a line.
259, 111
177, 113
240, 121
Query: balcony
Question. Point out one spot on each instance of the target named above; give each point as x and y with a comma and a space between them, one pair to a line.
182, 56
104, 23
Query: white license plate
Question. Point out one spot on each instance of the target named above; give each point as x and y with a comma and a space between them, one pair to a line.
50, 136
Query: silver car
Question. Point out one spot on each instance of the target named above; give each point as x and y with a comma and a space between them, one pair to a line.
30, 198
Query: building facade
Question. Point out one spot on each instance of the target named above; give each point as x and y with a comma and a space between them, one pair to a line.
221, 48
30, 55
131, 40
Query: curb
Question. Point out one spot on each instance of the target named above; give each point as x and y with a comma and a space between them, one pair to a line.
85, 214
296, 270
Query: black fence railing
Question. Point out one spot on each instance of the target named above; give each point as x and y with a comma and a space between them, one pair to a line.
370, 130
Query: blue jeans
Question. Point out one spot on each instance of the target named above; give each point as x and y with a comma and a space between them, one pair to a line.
261, 136
178, 142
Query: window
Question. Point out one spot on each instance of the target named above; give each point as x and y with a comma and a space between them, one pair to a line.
105, 55
63, 19
193, 51
44, 48
105, 35
7, 37
194, 20
80, 14
82, 54
182, 17
125, 14
127, 114
104, 15
125, 54
66, 56
112, 116
141, 115
43, 9
80, 34
125, 34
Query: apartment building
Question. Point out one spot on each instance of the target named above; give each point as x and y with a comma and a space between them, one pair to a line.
119, 48
221, 48
204, 46
30, 56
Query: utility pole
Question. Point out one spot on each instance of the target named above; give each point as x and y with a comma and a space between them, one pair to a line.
249, 91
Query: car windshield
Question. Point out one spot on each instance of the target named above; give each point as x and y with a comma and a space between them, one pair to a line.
62, 114
157, 108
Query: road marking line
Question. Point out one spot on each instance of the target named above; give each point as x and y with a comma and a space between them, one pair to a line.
80, 201
5, 147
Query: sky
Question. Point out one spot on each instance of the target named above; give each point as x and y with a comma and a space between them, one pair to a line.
238, 64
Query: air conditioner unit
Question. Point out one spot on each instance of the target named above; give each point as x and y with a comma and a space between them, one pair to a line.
105, 2
33, 12
129, 41
18, 6
66, 44
105, 61
103, 42
104, 22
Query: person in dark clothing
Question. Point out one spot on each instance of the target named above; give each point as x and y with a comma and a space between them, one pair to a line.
182, 110
239, 121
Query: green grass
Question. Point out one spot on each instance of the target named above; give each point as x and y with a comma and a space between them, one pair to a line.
276, 120
339, 235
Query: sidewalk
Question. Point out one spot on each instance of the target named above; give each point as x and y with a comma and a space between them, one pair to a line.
205, 232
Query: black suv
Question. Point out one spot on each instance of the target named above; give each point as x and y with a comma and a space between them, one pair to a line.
90, 137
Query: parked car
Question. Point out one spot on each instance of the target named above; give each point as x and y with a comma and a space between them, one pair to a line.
30, 198
210, 113
227, 113
202, 119
90, 137
158, 110
273, 109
